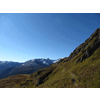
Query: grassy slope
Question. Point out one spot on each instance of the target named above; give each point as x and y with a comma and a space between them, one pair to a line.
86, 74
12, 81
65, 74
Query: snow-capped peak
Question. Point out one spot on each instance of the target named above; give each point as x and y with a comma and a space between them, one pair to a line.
58, 60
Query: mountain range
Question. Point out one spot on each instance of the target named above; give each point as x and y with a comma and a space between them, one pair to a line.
80, 70
9, 68
7, 64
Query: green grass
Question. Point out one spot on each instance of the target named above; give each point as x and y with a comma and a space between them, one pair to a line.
12, 81
86, 74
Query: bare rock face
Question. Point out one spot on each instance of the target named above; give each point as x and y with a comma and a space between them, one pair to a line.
91, 49
89, 52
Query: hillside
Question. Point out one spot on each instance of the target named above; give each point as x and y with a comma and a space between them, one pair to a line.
80, 70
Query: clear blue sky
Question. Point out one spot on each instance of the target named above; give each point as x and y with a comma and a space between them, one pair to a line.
35, 35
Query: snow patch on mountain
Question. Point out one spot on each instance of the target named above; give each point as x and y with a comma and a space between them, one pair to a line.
57, 60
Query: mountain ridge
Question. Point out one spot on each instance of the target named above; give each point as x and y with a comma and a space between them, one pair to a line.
27, 67
7, 64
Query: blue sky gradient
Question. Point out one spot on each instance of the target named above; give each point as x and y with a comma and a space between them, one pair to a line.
43, 35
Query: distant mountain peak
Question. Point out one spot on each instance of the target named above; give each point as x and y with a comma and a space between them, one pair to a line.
13, 68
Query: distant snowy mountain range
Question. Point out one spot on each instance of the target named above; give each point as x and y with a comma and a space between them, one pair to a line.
7, 64
8, 68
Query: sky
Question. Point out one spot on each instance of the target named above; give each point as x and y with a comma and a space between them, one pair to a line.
25, 36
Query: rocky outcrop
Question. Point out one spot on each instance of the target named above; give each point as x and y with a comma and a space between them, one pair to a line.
41, 79
77, 50
85, 48
39, 72
91, 49
78, 60
60, 61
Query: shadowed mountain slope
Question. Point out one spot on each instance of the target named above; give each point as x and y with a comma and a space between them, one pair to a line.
7, 64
